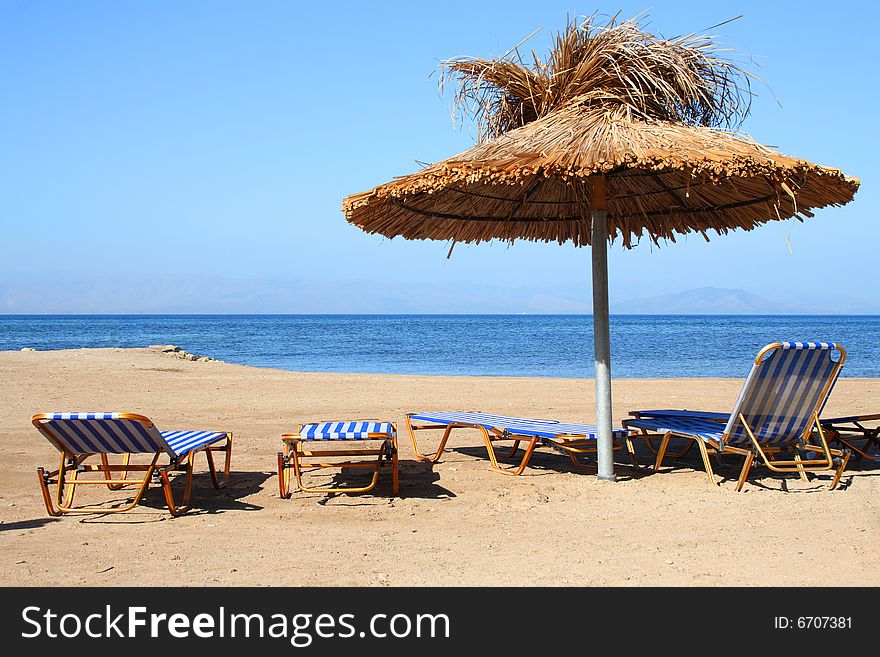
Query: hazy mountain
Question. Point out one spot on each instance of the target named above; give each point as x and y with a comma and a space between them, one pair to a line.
710, 301
215, 294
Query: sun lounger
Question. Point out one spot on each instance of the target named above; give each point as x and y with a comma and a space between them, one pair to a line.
571, 440
351, 432
82, 436
777, 412
855, 433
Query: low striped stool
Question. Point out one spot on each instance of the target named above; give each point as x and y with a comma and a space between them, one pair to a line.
300, 458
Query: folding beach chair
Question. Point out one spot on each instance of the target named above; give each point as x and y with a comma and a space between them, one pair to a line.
572, 440
81, 436
354, 431
777, 412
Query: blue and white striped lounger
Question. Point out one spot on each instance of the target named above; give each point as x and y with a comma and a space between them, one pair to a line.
569, 439
858, 433
80, 436
777, 411
357, 431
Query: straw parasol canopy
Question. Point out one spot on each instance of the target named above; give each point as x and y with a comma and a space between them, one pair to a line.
617, 135
646, 113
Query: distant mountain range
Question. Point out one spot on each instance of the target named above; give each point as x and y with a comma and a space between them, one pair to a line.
213, 294
710, 301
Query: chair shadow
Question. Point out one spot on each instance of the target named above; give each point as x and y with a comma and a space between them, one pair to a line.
417, 480
36, 523
204, 498
546, 462
728, 468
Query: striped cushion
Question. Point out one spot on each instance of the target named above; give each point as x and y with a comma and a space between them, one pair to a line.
346, 430
475, 418
672, 412
842, 420
514, 425
183, 442
549, 430
110, 433
685, 426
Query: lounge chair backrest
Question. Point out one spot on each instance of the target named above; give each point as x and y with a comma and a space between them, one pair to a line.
788, 383
95, 433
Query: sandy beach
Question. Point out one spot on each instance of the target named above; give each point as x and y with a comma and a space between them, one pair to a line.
454, 523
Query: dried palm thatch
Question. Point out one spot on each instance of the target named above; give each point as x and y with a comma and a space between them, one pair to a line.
648, 114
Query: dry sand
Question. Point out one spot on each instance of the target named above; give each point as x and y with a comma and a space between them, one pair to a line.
454, 523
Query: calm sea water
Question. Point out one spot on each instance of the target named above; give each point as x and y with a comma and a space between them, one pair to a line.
515, 345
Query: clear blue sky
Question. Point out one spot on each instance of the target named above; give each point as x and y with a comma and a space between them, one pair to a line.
144, 141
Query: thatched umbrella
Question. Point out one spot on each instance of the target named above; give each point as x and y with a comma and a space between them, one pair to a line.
619, 134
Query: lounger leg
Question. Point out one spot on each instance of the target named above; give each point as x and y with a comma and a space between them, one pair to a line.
577, 464
108, 475
513, 449
747, 465
395, 483
492, 457
284, 472
66, 487
227, 449
661, 451
44, 488
187, 488
631, 450
844, 460
707, 462
801, 472
430, 458
649, 441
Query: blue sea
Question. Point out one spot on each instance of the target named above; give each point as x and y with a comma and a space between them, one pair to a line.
507, 345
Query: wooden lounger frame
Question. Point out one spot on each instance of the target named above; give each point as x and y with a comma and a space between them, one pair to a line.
571, 446
292, 458
830, 459
857, 437
68, 475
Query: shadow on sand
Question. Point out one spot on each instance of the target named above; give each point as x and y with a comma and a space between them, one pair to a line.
36, 523
417, 481
205, 499
544, 462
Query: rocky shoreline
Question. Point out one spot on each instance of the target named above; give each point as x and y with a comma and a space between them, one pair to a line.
177, 352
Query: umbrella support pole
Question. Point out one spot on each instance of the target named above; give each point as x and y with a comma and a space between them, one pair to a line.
601, 337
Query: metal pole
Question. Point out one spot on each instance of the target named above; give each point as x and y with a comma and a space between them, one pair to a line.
602, 340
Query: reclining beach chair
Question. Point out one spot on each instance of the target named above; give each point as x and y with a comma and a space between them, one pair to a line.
81, 436
357, 431
852, 432
572, 440
777, 412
